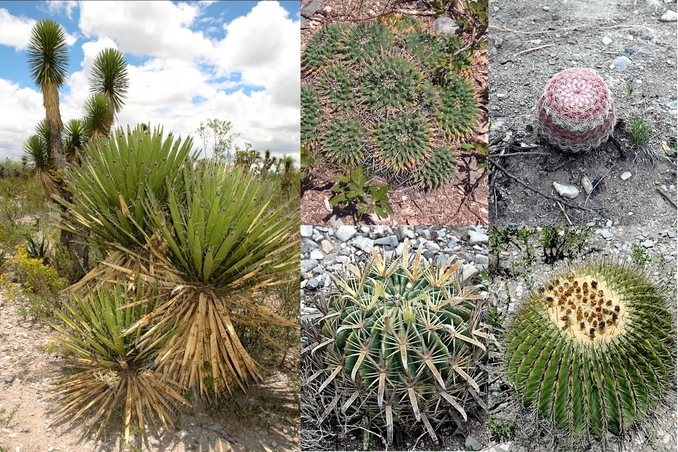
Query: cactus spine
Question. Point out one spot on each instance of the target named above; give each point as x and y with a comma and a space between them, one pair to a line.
402, 340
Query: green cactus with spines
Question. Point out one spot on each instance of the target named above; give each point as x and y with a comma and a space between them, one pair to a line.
344, 141
425, 47
458, 109
336, 85
402, 340
593, 349
390, 83
439, 168
323, 47
402, 142
365, 42
381, 75
311, 114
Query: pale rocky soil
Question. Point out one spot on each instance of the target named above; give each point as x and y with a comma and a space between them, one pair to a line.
531, 41
267, 419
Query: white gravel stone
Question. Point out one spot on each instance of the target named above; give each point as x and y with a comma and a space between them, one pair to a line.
432, 246
317, 254
625, 175
607, 40
566, 191
477, 237
669, 16
605, 233
326, 246
306, 231
345, 232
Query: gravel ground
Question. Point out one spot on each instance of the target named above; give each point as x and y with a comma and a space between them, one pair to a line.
532, 41
325, 249
510, 287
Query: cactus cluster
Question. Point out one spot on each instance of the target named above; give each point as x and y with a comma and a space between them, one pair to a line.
576, 111
386, 75
401, 342
593, 350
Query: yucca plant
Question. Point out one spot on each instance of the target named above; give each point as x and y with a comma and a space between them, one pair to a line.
36, 148
401, 342
109, 369
217, 250
593, 350
99, 116
115, 178
75, 140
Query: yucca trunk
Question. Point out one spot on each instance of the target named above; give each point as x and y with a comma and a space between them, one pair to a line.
53, 116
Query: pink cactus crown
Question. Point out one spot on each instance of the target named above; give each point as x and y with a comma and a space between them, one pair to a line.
576, 110
577, 95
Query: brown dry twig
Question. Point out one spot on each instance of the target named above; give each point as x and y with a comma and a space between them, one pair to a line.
666, 197
532, 50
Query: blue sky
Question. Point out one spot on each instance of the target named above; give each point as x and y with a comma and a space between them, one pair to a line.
187, 62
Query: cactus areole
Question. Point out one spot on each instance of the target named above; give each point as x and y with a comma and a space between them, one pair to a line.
576, 111
593, 349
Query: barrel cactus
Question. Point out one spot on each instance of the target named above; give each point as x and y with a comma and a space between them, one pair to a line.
401, 342
386, 75
593, 349
576, 111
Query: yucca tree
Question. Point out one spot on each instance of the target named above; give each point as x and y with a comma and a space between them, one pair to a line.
36, 148
220, 248
99, 114
48, 66
75, 139
109, 77
109, 369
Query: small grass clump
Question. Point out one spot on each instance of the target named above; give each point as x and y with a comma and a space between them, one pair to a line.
639, 131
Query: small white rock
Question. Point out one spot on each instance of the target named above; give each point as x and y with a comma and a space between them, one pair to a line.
306, 231
586, 183
669, 16
625, 175
607, 40
317, 255
566, 191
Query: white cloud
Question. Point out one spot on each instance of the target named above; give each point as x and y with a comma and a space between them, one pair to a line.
15, 31
55, 7
264, 45
157, 29
21, 111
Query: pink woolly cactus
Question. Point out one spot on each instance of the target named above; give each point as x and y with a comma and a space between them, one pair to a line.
576, 110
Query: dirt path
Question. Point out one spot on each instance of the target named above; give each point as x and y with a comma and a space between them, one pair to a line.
266, 419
